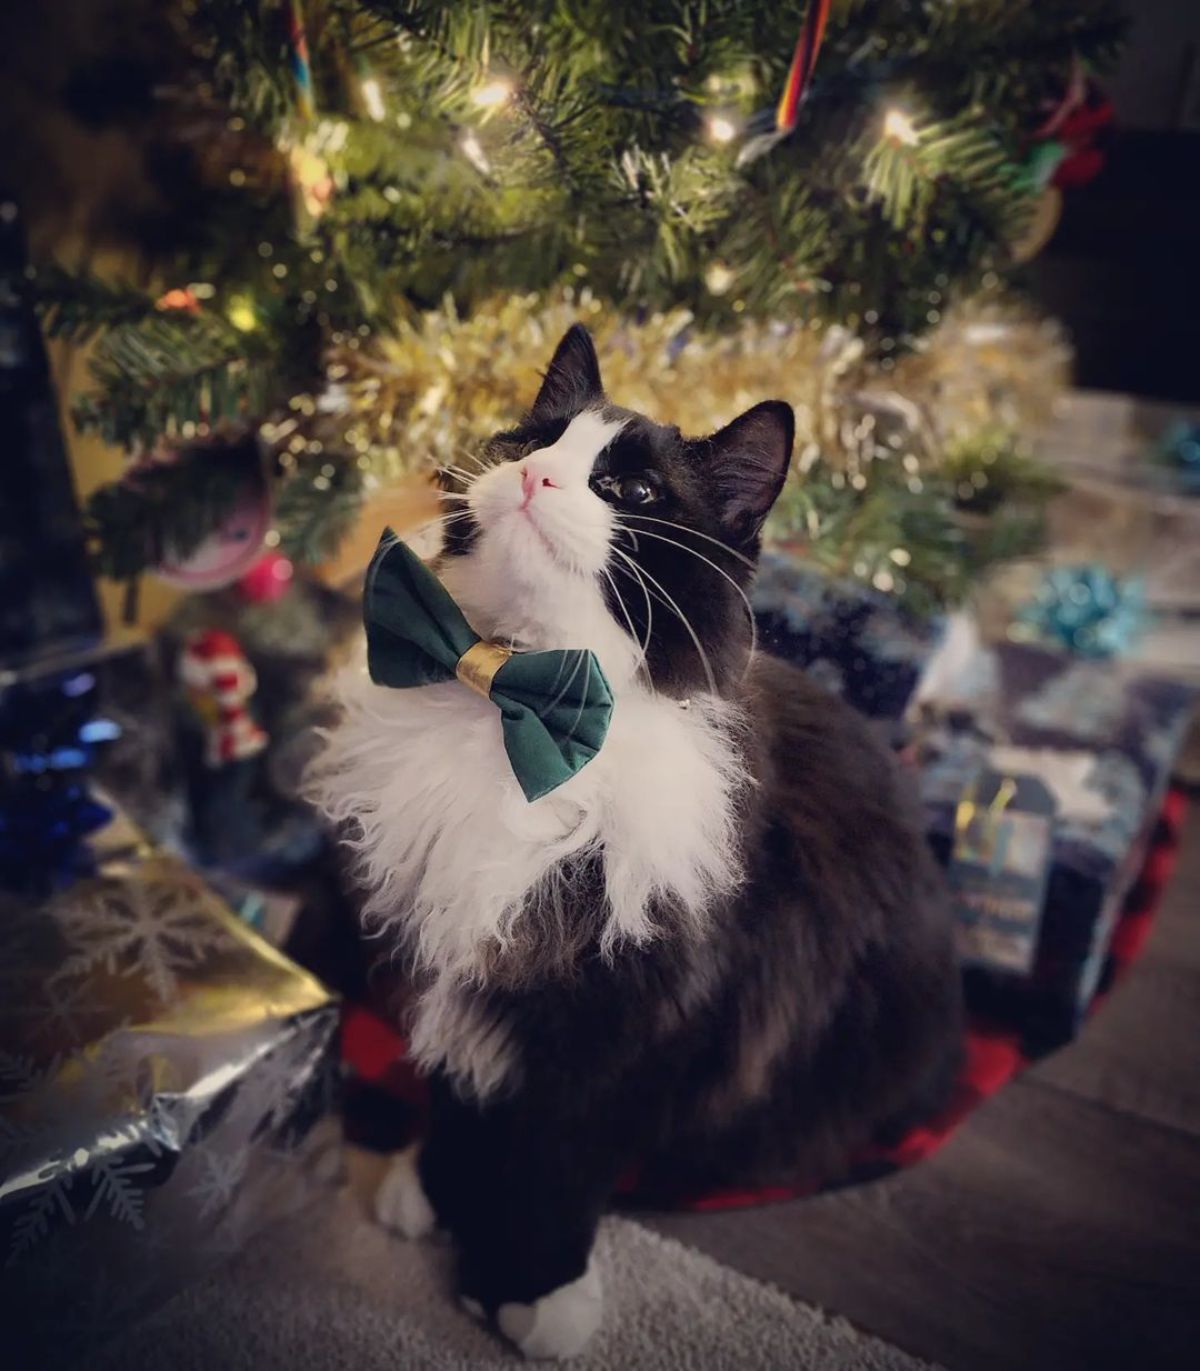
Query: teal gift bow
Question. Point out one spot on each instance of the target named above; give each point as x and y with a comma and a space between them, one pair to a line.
554, 706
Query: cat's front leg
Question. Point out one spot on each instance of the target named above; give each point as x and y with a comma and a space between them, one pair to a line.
401, 1203
521, 1183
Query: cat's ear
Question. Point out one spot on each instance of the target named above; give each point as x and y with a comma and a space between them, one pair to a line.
747, 462
572, 381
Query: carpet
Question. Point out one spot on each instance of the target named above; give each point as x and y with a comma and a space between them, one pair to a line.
330, 1291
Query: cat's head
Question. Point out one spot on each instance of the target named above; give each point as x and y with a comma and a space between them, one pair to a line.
590, 525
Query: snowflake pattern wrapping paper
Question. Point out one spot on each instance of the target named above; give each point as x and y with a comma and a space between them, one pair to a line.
1102, 736
165, 1088
856, 642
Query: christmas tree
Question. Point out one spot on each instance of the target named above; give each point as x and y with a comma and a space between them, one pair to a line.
401, 195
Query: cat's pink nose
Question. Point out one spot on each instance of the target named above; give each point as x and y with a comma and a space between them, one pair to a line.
528, 486
530, 481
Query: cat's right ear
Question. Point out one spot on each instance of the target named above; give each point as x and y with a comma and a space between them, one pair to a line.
747, 463
572, 381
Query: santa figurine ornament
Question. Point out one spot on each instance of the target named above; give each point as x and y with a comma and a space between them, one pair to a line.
220, 681
225, 759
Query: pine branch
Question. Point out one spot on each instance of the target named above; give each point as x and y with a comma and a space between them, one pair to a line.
317, 505
156, 377
77, 305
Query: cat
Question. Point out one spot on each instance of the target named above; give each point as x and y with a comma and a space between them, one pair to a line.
721, 950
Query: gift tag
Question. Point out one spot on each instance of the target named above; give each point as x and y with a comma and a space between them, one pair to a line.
999, 868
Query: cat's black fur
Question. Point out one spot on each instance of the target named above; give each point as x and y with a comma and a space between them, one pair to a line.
820, 1010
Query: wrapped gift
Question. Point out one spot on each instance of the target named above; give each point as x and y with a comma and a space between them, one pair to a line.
165, 1077
855, 641
1042, 775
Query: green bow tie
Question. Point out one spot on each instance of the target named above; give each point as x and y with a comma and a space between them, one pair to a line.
554, 706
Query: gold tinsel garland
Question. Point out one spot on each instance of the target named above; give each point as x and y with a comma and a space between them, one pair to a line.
429, 394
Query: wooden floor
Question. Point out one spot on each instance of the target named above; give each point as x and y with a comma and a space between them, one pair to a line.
1060, 1228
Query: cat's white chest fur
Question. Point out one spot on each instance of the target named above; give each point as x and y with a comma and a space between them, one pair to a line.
451, 851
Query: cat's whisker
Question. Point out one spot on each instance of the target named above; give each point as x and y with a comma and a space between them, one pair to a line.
683, 619
473, 457
468, 478
672, 542
695, 533
636, 578
604, 571
580, 658
443, 521
587, 680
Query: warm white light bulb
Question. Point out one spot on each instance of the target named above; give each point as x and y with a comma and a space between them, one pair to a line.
372, 95
493, 94
899, 127
721, 129
475, 154
718, 278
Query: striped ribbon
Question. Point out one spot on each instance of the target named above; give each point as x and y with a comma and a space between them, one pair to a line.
301, 70
804, 59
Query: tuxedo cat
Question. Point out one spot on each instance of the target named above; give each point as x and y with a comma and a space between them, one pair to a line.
720, 951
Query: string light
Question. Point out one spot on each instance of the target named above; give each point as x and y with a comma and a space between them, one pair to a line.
492, 94
372, 95
899, 127
241, 314
720, 129
474, 153
718, 278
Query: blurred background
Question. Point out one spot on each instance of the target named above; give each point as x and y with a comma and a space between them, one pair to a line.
270, 271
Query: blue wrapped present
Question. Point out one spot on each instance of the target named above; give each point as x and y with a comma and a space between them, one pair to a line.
856, 642
1100, 738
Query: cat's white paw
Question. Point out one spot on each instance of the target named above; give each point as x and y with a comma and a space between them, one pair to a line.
560, 1323
400, 1201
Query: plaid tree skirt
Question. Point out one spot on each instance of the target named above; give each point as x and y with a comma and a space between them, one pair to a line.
375, 1054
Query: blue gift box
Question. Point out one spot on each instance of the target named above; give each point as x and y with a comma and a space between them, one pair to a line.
857, 642
1102, 737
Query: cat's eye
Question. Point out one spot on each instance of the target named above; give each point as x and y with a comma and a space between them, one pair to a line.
634, 489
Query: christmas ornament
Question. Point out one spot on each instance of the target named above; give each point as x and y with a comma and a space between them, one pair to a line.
1072, 128
554, 706
795, 87
804, 59
267, 580
312, 179
1086, 609
231, 547
50, 734
182, 298
220, 681
301, 69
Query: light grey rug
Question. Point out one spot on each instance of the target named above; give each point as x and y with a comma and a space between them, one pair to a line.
330, 1291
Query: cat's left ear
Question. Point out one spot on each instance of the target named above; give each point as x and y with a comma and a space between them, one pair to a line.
572, 381
747, 462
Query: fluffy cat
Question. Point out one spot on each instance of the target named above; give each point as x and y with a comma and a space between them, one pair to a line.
721, 950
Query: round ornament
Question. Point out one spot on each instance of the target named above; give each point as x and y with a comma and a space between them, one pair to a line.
268, 580
232, 547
